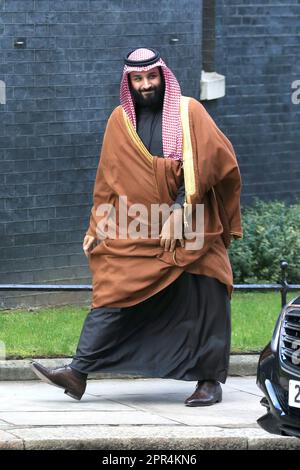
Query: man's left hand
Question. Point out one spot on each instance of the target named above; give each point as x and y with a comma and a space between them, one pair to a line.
172, 229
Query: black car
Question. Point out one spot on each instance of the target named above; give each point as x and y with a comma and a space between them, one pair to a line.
278, 374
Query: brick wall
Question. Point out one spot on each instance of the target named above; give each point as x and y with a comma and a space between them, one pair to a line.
60, 90
258, 50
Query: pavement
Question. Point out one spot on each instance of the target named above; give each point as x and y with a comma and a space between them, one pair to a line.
127, 414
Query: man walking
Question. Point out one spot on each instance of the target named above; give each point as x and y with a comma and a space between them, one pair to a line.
161, 305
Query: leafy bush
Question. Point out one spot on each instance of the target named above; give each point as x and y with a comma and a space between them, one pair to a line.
271, 233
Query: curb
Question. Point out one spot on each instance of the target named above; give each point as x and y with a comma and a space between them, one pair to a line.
19, 370
127, 438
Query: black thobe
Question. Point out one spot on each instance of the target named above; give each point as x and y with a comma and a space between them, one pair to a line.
182, 332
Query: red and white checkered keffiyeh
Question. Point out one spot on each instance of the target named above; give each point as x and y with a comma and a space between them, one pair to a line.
171, 123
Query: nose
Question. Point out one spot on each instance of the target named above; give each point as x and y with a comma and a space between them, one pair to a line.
146, 84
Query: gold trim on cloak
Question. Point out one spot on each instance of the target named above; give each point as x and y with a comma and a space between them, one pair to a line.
188, 160
187, 150
136, 138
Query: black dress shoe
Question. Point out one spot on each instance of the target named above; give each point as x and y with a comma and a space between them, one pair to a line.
207, 393
62, 377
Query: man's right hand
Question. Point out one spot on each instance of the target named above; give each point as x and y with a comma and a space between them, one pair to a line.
89, 242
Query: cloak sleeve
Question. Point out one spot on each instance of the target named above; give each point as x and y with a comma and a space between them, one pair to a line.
217, 170
103, 193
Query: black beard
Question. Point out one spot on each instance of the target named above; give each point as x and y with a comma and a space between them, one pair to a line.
153, 101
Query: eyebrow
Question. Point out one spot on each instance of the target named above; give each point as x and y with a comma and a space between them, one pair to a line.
150, 73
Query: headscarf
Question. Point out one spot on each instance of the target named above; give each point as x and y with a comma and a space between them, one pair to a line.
142, 60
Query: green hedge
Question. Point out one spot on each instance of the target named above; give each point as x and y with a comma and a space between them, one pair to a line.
271, 233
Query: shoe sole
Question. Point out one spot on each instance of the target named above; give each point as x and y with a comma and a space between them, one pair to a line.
48, 381
203, 404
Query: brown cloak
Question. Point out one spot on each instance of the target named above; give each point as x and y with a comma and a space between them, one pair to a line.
128, 271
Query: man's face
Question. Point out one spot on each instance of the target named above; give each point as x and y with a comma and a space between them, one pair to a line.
147, 87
